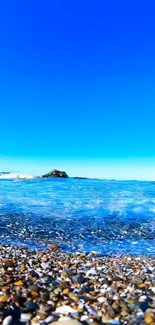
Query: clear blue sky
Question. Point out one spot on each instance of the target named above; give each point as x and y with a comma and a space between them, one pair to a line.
77, 86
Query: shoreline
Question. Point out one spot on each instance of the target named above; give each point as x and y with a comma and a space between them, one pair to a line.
47, 286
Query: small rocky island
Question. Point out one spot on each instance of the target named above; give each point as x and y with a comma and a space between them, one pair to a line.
55, 173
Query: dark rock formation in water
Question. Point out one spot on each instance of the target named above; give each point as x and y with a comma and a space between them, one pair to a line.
77, 177
4, 173
56, 174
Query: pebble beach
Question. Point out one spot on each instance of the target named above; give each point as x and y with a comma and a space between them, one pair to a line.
77, 252
56, 287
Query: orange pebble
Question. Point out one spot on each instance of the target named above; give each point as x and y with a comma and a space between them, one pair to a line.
19, 283
66, 291
3, 298
34, 294
142, 285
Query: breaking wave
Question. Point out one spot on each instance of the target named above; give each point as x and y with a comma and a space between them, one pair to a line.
17, 176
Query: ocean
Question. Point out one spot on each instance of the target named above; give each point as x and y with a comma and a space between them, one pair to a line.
109, 217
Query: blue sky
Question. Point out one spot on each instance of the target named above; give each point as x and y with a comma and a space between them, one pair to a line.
77, 87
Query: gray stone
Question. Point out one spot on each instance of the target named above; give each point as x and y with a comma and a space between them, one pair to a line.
56, 174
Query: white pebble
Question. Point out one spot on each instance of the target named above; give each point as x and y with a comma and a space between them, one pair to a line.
83, 318
105, 286
116, 297
142, 298
140, 314
153, 289
7, 320
101, 299
91, 271
25, 317
49, 319
65, 310
44, 265
103, 291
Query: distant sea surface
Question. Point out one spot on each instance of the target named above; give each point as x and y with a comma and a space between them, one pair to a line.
80, 215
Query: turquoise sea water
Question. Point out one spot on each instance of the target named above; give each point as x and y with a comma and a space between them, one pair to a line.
79, 215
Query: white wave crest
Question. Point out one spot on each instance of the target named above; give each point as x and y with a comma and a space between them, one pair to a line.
17, 176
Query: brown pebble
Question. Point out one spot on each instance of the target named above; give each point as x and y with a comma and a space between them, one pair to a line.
41, 316
7, 262
111, 312
3, 271
53, 246
106, 319
124, 312
34, 321
33, 288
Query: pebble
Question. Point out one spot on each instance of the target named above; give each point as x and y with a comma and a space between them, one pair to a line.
144, 306
66, 310
3, 298
66, 322
54, 287
140, 314
114, 322
149, 319
7, 320
101, 299
54, 247
25, 317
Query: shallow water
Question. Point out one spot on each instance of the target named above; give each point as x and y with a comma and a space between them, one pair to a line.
105, 216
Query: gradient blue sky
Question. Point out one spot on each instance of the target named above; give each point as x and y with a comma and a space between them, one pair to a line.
77, 87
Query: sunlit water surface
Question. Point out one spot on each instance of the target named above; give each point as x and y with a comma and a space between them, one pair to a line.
79, 215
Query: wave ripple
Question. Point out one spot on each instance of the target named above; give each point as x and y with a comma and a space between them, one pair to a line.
106, 216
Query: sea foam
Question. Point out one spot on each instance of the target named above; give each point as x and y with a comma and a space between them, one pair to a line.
17, 176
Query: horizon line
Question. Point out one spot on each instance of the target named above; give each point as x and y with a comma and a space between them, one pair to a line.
117, 179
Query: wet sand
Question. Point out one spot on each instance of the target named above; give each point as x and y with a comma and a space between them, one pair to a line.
44, 287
